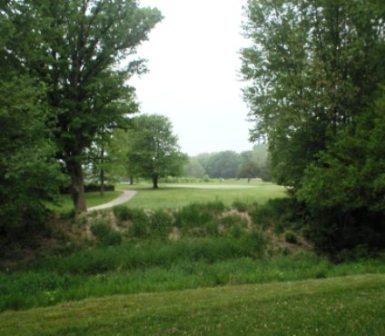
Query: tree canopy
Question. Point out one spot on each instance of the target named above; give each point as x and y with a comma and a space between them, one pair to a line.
154, 151
314, 73
76, 50
229, 164
29, 173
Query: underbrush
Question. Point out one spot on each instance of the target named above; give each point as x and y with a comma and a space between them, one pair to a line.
200, 245
103, 272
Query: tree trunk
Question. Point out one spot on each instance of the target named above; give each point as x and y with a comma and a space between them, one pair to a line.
155, 182
131, 180
77, 185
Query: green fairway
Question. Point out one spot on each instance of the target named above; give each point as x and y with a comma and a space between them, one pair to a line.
339, 306
179, 195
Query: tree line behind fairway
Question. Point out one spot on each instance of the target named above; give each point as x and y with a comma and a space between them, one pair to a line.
230, 164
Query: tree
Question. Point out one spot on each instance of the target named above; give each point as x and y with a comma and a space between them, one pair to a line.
154, 150
193, 168
223, 164
314, 71
117, 150
345, 190
29, 174
248, 169
313, 67
78, 58
255, 163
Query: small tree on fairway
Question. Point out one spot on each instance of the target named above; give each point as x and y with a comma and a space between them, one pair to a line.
154, 151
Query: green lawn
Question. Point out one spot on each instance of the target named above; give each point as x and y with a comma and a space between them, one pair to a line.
351, 306
179, 195
64, 204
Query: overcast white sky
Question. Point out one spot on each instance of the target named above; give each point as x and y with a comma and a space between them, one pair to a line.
193, 59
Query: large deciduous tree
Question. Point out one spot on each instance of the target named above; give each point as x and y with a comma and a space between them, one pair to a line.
79, 58
154, 151
29, 174
223, 164
314, 73
313, 67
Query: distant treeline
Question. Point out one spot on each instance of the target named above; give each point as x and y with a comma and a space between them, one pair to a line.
230, 164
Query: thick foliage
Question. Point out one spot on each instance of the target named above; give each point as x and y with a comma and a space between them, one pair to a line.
154, 151
28, 172
314, 71
345, 191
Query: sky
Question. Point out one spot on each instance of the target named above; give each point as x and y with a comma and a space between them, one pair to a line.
194, 73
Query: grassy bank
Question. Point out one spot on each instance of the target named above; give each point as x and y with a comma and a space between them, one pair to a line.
337, 306
130, 250
158, 266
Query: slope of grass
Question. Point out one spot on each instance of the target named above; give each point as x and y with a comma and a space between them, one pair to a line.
338, 306
155, 267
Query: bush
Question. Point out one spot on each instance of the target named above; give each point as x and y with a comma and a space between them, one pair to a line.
105, 234
232, 220
198, 214
279, 213
211, 228
139, 227
160, 223
332, 231
235, 231
254, 243
240, 206
122, 213
291, 237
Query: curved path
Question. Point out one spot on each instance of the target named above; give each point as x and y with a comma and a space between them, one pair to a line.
123, 198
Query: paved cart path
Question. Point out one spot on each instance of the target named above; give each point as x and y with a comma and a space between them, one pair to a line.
123, 198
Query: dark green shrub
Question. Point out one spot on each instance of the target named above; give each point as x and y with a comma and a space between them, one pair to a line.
191, 216
235, 231
332, 231
291, 237
232, 220
212, 228
280, 214
160, 223
240, 206
113, 238
254, 243
139, 227
105, 234
122, 213
198, 214
215, 207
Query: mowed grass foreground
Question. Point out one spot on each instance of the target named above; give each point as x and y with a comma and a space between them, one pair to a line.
338, 306
178, 195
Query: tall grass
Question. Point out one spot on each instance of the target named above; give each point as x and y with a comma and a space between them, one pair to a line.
76, 278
